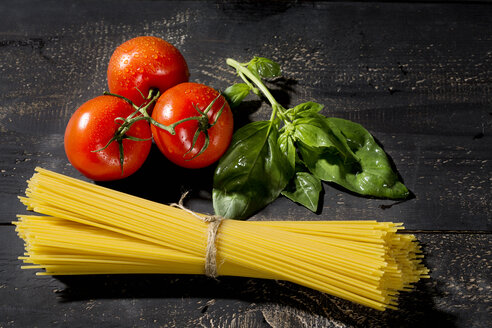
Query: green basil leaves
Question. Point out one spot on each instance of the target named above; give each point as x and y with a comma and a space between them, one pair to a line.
267, 158
304, 188
236, 93
264, 67
252, 173
372, 175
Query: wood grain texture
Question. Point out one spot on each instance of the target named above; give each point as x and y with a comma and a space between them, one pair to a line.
418, 76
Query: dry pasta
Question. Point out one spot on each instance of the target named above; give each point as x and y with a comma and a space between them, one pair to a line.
88, 229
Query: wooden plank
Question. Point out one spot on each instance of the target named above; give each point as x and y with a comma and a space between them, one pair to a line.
392, 67
457, 295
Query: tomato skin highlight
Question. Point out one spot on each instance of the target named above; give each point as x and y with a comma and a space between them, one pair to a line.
91, 127
143, 63
178, 103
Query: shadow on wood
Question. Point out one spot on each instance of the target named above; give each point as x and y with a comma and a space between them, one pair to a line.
417, 308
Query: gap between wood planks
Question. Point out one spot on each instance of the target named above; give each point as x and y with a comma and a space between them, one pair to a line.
480, 232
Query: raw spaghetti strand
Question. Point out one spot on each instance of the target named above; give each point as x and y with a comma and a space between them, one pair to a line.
88, 229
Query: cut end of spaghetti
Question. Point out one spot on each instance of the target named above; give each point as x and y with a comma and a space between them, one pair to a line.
88, 229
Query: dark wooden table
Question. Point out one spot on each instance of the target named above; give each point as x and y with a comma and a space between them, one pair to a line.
418, 76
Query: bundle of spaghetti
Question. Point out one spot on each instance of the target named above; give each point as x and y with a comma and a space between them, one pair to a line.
88, 229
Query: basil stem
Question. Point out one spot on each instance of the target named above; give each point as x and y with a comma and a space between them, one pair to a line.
256, 80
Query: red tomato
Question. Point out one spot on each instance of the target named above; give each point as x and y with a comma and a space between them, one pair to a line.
179, 103
92, 126
143, 63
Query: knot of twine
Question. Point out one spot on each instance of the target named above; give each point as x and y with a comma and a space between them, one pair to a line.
214, 222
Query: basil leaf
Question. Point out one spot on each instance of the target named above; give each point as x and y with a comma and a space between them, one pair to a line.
264, 67
236, 93
304, 189
316, 131
303, 110
326, 164
286, 144
252, 172
342, 141
372, 175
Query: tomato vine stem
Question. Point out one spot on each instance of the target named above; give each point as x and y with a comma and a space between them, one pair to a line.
203, 126
141, 113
